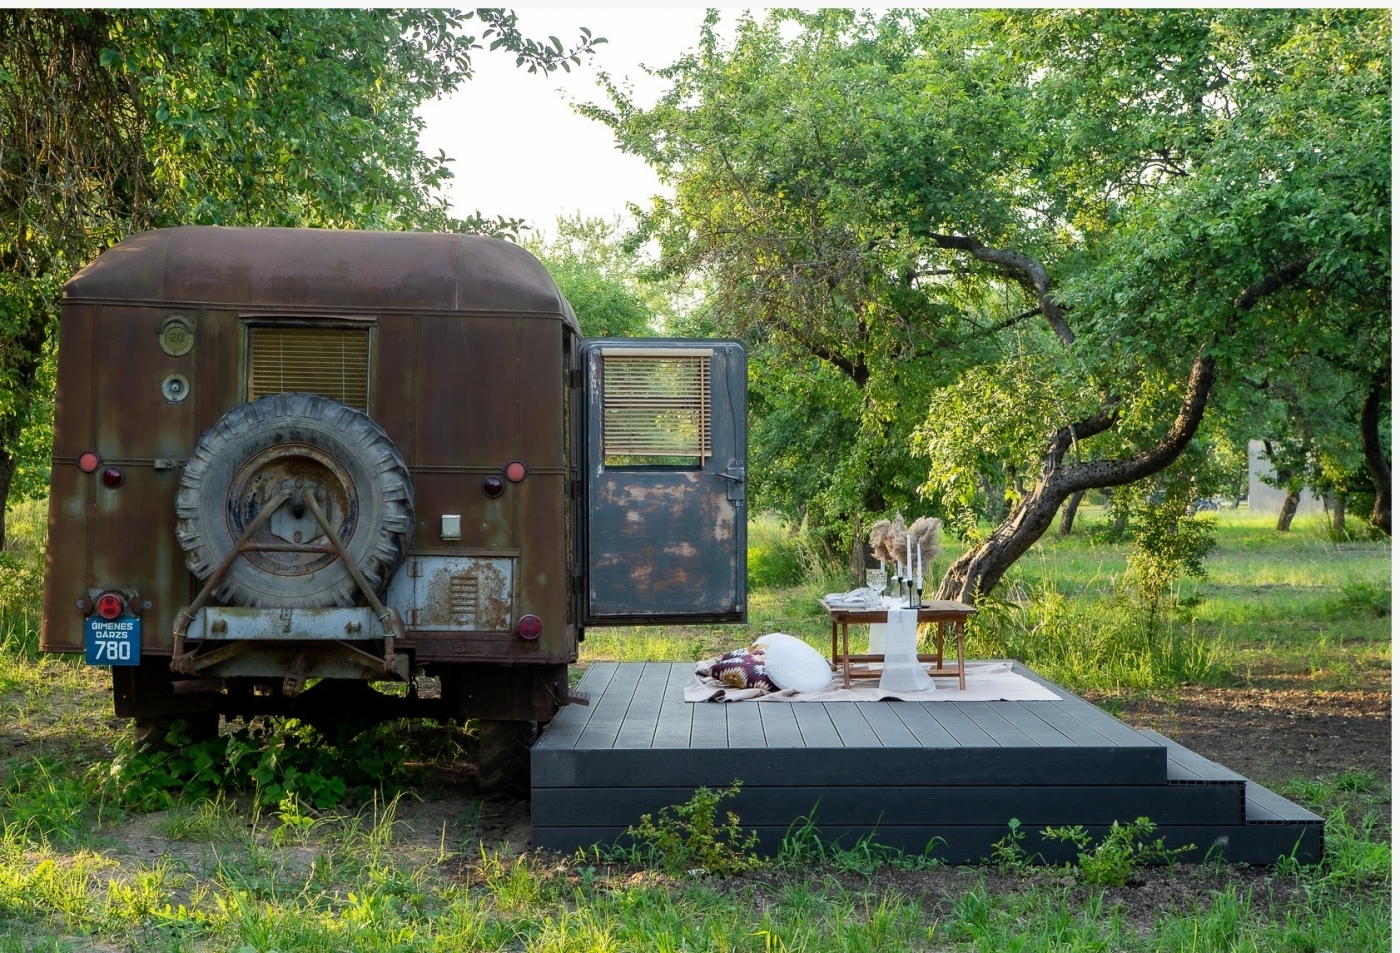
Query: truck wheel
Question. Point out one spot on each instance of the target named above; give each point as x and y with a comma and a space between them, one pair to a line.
504, 757
291, 443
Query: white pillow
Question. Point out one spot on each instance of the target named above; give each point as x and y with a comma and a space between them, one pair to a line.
793, 664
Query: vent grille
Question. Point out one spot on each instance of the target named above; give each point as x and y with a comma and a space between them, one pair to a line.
332, 362
464, 595
655, 407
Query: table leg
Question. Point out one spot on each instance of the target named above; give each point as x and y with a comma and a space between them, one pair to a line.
834, 656
846, 653
962, 665
938, 643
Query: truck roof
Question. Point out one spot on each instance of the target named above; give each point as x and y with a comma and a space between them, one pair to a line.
313, 268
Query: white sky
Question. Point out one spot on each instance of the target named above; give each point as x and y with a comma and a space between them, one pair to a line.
522, 152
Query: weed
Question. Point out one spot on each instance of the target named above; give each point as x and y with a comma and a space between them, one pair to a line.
803, 847
283, 761
1112, 862
689, 837
1361, 598
1009, 853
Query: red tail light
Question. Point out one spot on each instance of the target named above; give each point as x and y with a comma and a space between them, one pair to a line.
529, 627
112, 477
110, 605
89, 461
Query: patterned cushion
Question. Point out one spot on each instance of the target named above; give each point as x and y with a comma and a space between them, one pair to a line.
742, 668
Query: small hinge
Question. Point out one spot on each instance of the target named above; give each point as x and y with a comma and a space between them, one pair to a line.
412, 616
576, 489
578, 583
576, 377
415, 569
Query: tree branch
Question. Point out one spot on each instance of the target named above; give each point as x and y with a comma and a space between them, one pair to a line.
1033, 272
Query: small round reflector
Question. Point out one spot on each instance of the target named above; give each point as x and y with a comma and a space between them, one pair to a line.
493, 486
516, 471
89, 461
529, 627
112, 477
110, 605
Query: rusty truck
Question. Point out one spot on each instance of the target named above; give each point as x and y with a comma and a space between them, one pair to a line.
348, 476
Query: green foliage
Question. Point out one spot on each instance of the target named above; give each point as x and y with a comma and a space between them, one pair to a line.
1106, 645
1009, 853
600, 277
689, 837
1362, 597
1112, 861
774, 559
803, 848
284, 762
1167, 544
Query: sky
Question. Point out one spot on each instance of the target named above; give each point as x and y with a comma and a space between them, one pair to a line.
520, 151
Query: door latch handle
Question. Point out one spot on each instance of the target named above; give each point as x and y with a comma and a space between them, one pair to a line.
730, 476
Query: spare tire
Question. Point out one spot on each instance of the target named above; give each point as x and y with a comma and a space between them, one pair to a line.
295, 442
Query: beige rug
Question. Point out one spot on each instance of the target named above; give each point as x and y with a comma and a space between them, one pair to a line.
986, 682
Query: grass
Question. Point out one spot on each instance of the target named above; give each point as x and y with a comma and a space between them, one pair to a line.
435, 871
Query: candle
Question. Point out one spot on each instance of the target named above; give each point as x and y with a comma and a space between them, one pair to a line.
919, 575
908, 552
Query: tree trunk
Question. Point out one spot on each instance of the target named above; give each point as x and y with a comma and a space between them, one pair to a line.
1376, 463
1067, 516
1285, 515
977, 571
1339, 513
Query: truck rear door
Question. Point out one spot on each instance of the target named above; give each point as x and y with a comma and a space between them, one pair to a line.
665, 450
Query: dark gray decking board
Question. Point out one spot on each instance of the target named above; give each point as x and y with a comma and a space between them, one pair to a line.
673, 721
1071, 725
1026, 720
888, 726
924, 727
639, 723
569, 724
709, 726
610, 709
1262, 806
967, 844
815, 725
1036, 806
1183, 764
780, 726
955, 721
745, 725
712, 763
850, 724
1003, 732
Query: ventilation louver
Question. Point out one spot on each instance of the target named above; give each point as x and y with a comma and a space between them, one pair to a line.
332, 362
656, 409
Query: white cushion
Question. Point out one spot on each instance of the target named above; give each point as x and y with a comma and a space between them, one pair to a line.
793, 664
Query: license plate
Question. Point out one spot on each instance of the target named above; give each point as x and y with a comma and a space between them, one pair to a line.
113, 641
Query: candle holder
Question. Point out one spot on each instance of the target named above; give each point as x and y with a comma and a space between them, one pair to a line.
920, 588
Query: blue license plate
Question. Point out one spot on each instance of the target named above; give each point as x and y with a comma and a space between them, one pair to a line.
113, 641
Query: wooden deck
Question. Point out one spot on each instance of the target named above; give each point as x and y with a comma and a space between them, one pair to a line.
944, 776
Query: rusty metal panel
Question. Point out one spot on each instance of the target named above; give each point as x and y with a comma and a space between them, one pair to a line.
69, 488
238, 623
468, 394
486, 523
667, 543
544, 582
541, 396
454, 593
322, 268
395, 380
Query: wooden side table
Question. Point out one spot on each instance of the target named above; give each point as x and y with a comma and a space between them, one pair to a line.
943, 613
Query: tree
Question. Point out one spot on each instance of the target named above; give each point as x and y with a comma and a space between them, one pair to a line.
1078, 231
114, 121
600, 277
